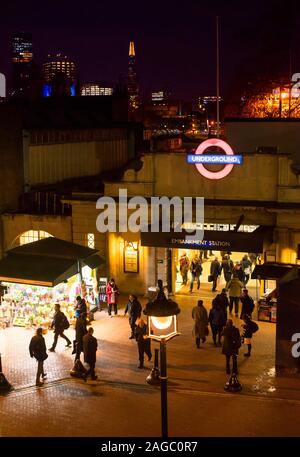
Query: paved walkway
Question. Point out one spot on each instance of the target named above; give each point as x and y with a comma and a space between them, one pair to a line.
188, 368
114, 404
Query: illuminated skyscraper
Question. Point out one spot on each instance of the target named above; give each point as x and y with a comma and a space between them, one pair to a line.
132, 86
96, 89
22, 61
59, 75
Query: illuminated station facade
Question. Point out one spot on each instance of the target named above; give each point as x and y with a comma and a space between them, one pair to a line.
251, 200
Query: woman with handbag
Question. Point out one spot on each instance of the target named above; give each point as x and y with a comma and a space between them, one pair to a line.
200, 330
112, 293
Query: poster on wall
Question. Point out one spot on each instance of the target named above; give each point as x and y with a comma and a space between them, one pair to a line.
131, 257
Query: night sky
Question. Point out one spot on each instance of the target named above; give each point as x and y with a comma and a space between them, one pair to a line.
175, 41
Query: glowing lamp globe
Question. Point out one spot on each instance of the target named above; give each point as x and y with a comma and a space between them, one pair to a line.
161, 323
162, 315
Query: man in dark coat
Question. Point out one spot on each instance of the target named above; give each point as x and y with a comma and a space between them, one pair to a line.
227, 268
217, 321
196, 271
37, 349
223, 301
215, 271
59, 325
80, 331
199, 314
90, 346
134, 309
231, 345
247, 304
144, 344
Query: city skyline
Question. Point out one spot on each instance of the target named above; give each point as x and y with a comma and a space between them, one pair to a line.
173, 49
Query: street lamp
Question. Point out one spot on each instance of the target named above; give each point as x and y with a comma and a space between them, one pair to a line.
162, 327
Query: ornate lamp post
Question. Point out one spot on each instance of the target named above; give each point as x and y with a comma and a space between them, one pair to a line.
162, 327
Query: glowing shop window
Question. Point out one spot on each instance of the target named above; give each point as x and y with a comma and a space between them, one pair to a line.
33, 235
90, 240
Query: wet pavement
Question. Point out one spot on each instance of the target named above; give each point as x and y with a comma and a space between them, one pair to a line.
188, 368
193, 374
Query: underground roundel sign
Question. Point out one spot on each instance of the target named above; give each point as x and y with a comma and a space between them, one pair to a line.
228, 159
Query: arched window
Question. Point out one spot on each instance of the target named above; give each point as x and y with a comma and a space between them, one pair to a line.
30, 236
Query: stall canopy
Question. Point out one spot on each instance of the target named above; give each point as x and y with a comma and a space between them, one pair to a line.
46, 262
272, 270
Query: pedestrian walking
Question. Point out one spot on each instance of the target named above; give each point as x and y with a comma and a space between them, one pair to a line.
80, 332
227, 268
246, 267
238, 270
215, 271
249, 327
200, 329
223, 301
235, 287
196, 271
144, 344
112, 293
37, 349
134, 309
184, 263
59, 323
247, 304
217, 321
90, 346
231, 345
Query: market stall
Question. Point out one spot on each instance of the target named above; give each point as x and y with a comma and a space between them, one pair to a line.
38, 275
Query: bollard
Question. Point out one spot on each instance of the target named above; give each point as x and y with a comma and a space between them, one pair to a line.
4, 384
153, 377
233, 385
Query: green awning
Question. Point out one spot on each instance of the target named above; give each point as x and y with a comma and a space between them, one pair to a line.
47, 262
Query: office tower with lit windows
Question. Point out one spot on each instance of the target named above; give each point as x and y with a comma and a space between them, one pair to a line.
59, 74
132, 86
96, 89
22, 61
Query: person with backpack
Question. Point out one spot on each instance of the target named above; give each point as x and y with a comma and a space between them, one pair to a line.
249, 327
196, 271
231, 345
37, 349
247, 304
217, 321
59, 323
